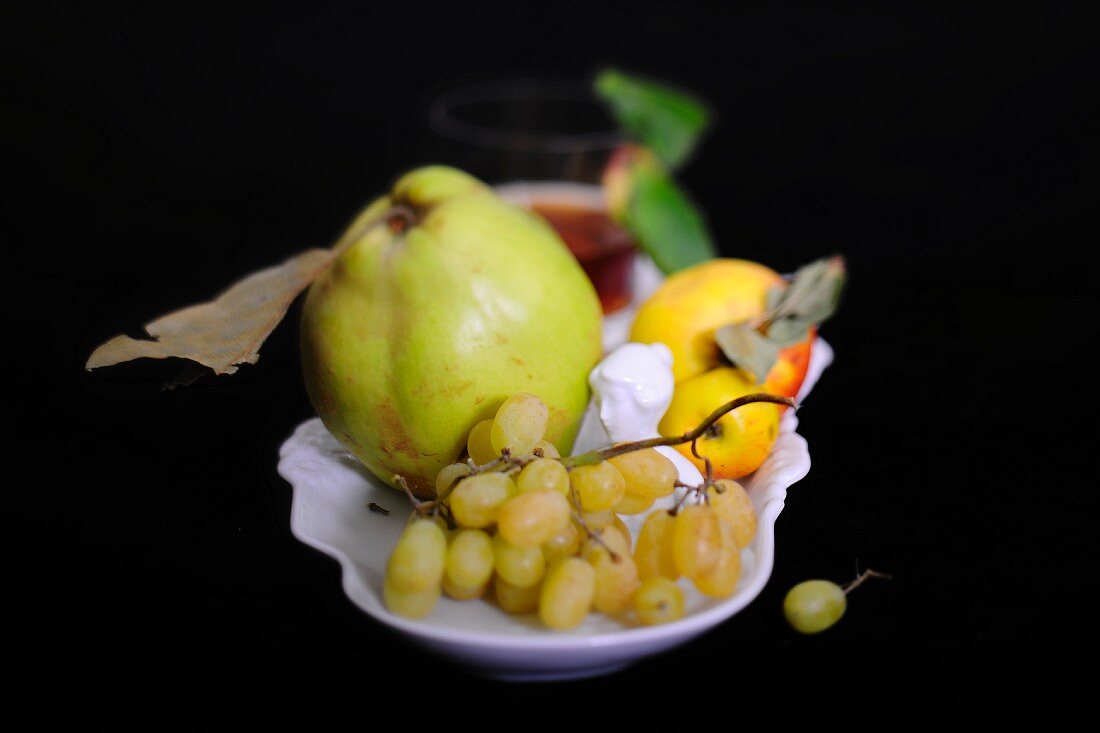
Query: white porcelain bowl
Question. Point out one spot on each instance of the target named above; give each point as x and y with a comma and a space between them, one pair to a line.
330, 511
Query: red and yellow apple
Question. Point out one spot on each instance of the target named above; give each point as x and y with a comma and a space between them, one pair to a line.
741, 439
683, 314
689, 306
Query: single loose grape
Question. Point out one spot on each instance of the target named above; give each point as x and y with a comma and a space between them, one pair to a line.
658, 600
417, 562
479, 445
519, 424
734, 507
814, 605
529, 520
514, 599
696, 540
469, 559
598, 487
647, 472
548, 449
632, 503
567, 594
653, 553
566, 543
448, 478
616, 580
477, 499
410, 604
523, 567
543, 474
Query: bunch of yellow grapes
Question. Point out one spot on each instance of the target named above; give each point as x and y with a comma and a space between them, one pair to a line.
515, 522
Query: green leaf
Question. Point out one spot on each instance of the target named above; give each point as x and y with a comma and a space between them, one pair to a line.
788, 331
665, 223
666, 120
811, 297
748, 348
774, 296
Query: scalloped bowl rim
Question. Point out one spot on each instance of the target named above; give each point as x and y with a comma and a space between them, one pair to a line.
700, 620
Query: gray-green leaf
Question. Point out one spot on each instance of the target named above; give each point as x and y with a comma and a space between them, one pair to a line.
811, 297
748, 348
774, 296
665, 223
788, 331
667, 121
814, 291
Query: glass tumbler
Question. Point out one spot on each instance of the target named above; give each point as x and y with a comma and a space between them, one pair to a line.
544, 145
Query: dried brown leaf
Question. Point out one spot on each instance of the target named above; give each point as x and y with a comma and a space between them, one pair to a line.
228, 330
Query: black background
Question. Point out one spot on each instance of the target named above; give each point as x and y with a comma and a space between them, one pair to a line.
154, 152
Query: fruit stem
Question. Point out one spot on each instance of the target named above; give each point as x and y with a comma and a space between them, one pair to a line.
708, 474
598, 456
579, 519
862, 577
397, 215
421, 507
506, 463
399, 218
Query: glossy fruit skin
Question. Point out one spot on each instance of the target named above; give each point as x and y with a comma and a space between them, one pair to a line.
786, 377
567, 594
814, 605
741, 440
696, 540
655, 554
599, 487
414, 336
658, 601
734, 507
685, 311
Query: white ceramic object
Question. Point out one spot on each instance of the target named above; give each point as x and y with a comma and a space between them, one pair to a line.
631, 391
330, 511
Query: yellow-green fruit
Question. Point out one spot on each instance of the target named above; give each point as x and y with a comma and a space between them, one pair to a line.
741, 440
658, 600
690, 305
567, 594
430, 320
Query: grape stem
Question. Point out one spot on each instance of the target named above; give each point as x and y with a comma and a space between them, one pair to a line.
594, 457
506, 463
421, 507
863, 577
594, 535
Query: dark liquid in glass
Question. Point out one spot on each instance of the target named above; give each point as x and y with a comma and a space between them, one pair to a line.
603, 248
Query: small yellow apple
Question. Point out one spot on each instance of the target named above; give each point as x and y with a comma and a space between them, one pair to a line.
740, 441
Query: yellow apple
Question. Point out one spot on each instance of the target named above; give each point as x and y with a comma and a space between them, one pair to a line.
690, 305
740, 441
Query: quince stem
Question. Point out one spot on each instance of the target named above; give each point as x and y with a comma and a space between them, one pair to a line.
591, 458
